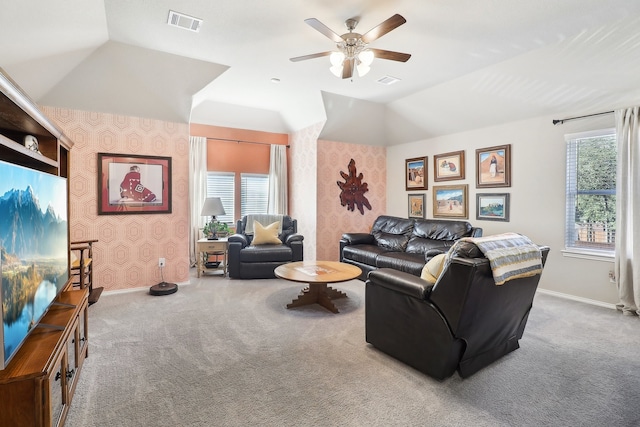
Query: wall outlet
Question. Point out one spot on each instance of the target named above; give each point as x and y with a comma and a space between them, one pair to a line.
161, 262
612, 276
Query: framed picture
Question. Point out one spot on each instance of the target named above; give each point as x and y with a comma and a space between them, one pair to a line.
416, 174
416, 205
493, 166
132, 184
448, 166
450, 201
492, 207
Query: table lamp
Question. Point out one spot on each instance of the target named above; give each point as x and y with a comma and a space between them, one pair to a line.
212, 207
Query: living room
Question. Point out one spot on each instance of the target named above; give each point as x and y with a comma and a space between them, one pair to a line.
449, 114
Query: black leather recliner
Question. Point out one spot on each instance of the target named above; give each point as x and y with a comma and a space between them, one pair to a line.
464, 323
258, 262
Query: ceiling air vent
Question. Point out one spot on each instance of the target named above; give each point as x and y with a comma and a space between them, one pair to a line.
180, 20
388, 80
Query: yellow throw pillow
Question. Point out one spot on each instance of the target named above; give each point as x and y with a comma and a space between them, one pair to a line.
433, 268
265, 235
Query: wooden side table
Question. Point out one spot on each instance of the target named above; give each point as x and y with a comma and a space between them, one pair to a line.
206, 247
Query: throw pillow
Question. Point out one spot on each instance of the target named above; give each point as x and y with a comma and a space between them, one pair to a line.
265, 235
433, 268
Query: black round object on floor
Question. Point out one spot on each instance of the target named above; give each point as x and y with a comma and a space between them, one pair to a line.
163, 288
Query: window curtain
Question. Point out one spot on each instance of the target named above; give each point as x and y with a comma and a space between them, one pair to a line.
277, 202
627, 264
197, 191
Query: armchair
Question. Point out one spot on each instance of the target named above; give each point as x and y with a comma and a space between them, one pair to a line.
247, 261
464, 322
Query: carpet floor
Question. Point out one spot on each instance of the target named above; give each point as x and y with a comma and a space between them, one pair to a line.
224, 352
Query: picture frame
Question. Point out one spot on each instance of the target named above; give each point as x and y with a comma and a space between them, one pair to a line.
493, 166
451, 201
448, 166
416, 207
492, 206
133, 184
416, 173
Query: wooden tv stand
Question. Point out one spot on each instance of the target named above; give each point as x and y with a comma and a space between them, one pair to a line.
37, 386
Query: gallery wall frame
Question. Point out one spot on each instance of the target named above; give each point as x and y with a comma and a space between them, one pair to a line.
493, 166
492, 206
451, 201
417, 205
133, 184
416, 173
448, 166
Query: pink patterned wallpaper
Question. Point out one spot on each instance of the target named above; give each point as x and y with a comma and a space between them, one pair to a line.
126, 255
333, 218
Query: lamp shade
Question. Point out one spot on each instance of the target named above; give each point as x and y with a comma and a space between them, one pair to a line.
212, 207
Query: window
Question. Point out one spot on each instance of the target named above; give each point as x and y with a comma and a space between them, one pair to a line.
222, 184
591, 191
254, 193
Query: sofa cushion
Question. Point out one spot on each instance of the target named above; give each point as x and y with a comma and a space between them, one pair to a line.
402, 261
265, 235
441, 229
266, 253
392, 242
422, 245
364, 254
392, 225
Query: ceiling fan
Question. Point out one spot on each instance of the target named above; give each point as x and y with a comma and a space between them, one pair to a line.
353, 51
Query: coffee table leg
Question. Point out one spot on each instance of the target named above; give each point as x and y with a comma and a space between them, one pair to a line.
318, 293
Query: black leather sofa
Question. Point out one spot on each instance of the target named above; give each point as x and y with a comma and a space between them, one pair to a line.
464, 322
402, 244
258, 262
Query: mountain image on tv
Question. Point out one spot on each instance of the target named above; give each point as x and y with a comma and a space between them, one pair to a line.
33, 248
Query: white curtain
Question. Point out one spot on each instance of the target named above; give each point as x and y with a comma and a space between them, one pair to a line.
627, 265
277, 202
197, 190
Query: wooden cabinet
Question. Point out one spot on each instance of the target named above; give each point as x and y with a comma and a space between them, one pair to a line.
37, 387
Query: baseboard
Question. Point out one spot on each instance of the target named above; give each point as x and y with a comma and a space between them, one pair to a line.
137, 289
579, 299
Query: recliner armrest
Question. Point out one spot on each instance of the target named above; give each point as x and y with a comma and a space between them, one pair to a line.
293, 238
400, 281
359, 239
238, 238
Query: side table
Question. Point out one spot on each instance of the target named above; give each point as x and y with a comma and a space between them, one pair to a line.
206, 247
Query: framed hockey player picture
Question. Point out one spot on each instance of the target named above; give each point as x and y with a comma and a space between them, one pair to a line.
132, 184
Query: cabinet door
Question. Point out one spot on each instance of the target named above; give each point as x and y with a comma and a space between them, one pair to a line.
57, 393
83, 334
72, 357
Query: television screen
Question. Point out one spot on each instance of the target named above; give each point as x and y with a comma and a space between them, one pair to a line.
34, 247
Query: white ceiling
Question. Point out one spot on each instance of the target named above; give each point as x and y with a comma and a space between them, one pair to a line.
474, 63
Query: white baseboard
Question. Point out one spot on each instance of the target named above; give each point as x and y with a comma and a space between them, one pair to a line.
137, 289
579, 299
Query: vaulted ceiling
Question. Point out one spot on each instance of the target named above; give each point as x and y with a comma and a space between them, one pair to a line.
474, 63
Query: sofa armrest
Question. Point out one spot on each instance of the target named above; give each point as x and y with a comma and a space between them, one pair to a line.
400, 281
293, 238
238, 238
359, 239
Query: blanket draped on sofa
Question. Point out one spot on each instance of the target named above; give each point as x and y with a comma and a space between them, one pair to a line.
511, 255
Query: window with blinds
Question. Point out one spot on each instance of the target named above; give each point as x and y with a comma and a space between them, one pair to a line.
591, 191
222, 184
254, 193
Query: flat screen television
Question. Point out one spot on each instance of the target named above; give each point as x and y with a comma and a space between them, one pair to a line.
34, 244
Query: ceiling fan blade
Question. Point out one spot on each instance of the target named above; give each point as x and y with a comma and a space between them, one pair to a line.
347, 68
324, 29
312, 56
375, 33
391, 55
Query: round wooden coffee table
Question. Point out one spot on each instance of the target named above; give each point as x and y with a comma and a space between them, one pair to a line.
317, 274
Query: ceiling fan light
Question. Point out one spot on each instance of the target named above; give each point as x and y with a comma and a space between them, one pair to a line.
336, 58
363, 69
366, 57
336, 70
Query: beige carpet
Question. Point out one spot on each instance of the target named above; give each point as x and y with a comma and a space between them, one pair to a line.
224, 352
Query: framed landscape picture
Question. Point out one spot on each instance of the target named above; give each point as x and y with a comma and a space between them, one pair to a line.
493, 166
448, 166
450, 201
133, 184
416, 173
416, 205
492, 207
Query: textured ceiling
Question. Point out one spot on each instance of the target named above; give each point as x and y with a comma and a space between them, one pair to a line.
474, 63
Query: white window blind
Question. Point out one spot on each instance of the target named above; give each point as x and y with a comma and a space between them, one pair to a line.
591, 191
254, 193
222, 184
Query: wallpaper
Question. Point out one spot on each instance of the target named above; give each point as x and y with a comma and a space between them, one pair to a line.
126, 254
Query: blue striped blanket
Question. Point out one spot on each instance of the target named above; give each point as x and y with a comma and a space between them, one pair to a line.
511, 255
